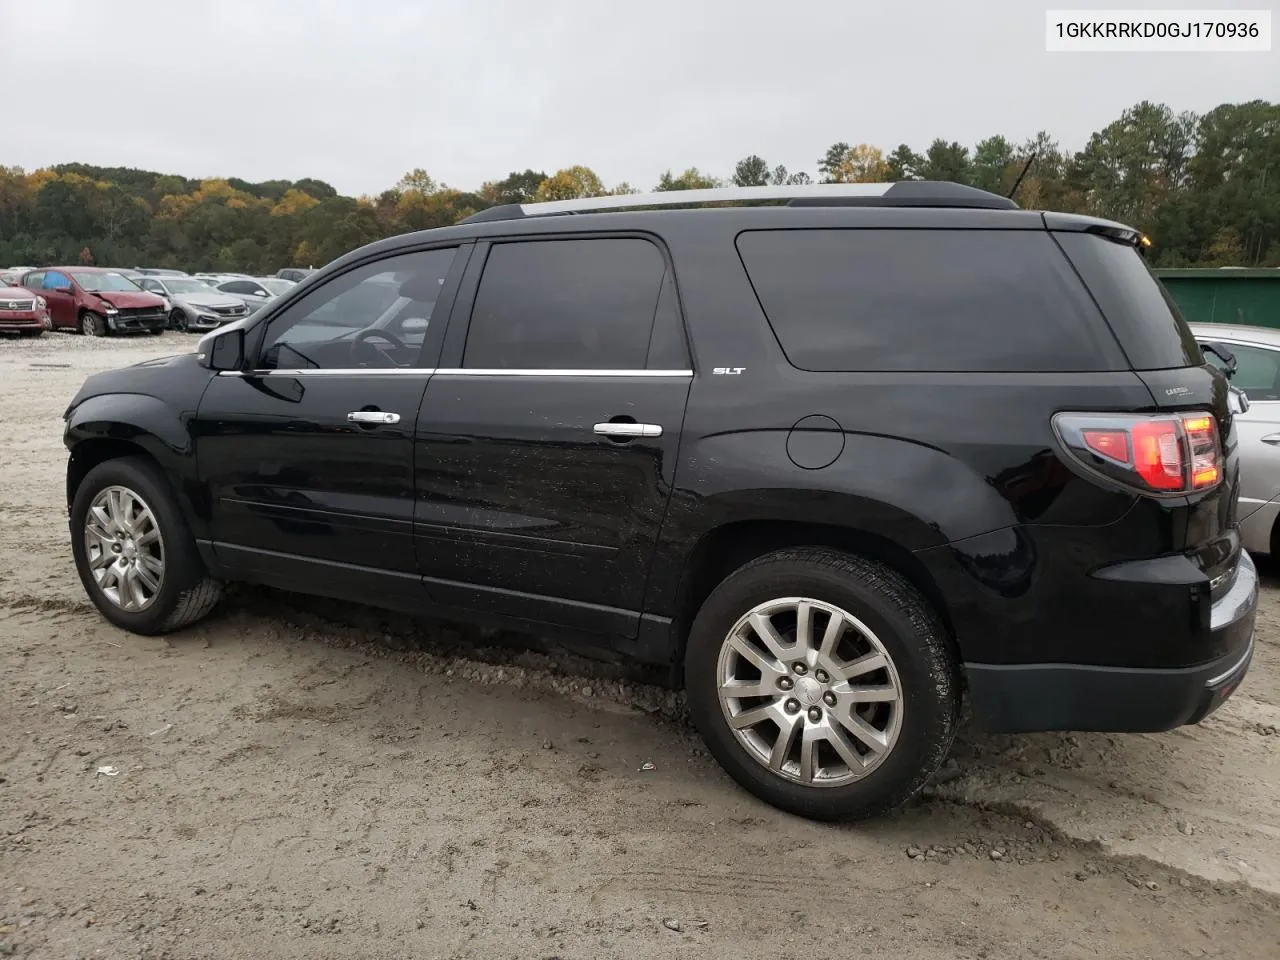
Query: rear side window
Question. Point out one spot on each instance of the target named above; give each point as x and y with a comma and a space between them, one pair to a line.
925, 300
1140, 311
566, 305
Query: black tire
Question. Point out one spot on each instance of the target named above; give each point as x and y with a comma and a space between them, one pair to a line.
178, 321
93, 324
186, 592
908, 628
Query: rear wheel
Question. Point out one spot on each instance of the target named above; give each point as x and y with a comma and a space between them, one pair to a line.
824, 684
93, 324
135, 555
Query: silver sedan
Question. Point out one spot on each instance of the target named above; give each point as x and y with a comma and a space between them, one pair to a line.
1257, 355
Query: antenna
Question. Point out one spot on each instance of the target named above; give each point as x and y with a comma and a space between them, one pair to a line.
1017, 183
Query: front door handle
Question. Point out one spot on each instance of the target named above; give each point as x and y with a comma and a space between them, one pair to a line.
610, 429
372, 416
1273, 439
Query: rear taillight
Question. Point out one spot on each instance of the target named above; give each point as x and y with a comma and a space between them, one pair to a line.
1156, 453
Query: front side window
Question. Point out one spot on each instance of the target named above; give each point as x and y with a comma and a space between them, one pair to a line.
373, 316
566, 304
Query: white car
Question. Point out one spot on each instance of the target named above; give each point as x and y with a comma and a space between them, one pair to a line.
1256, 351
256, 292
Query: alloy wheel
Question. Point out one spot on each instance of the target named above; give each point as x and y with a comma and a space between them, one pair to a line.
124, 548
809, 691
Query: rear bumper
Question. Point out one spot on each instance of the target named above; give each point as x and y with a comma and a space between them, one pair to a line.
1019, 698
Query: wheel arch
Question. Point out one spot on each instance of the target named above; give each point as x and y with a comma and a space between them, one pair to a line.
728, 547
112, 426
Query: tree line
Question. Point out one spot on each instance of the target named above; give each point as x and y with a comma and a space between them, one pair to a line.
1204, 187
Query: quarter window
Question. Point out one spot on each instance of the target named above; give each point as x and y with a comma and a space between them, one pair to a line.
926, 300
567, 304
376, 315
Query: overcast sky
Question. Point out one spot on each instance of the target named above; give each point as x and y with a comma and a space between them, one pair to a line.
356, 92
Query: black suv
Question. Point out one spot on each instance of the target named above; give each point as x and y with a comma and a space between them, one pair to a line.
835, 462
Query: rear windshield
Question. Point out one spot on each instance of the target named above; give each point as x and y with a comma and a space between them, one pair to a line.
1140, 311
926, 300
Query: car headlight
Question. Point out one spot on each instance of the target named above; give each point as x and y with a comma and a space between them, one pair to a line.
110, 310
41, 303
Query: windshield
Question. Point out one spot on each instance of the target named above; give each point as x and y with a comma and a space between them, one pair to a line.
100, 282
176, 285
277, 286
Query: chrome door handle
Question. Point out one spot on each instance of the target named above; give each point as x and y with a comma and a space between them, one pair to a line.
609, 429
372, 416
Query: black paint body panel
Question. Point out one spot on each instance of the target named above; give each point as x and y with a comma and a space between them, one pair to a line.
493, 497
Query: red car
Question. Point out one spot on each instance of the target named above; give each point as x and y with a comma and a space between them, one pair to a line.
22, 312
97, 302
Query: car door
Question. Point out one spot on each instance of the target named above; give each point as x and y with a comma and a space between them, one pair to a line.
547, 440
307, 457
60, 294
1258, 428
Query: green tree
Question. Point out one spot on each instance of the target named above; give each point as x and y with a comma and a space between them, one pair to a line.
752, 171
946, 161
831, 160
994, 166
903, 164
691, 179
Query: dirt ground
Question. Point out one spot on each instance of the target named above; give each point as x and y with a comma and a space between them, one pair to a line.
291, 780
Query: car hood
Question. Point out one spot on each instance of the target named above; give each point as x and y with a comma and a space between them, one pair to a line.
129, 301
14, 293
207, 299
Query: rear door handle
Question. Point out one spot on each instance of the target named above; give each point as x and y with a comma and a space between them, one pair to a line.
372, 416
608, 429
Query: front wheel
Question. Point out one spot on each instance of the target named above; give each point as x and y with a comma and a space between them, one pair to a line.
134, 552
178, 321
93, 324
823, 683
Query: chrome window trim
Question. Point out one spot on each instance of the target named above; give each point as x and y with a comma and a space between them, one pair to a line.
452, 372
568, 372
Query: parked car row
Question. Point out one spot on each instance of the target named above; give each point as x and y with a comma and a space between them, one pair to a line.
99, 301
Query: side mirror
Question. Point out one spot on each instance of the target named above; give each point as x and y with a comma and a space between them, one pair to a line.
1223, 353
223, 349
1237, 400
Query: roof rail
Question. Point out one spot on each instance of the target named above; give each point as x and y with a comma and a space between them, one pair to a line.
904, 193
